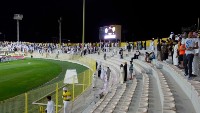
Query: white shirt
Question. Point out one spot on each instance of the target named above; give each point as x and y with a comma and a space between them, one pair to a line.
198, 50
50, 107
190, 42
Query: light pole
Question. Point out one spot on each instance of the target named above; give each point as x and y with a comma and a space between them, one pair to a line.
198, 25
83, 32
60, 30
18, 17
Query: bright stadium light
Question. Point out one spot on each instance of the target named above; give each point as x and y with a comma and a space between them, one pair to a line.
18, 17
109, 36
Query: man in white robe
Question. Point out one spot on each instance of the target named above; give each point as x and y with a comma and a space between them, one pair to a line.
175, 55
196, 60
50, 105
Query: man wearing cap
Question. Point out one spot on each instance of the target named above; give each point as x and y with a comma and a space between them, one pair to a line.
171, 35
66, 98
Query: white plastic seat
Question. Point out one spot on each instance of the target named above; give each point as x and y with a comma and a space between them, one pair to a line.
109, 109
114, 102
144, 95
196, 86
131, 93
168, 94
169, 106
145, 92
128, 99
161, 76
163, 80
146, 88
142, 110
166, 89
122, 111
164, 86
115, 99
124, 108
102, 106
99, 110
107, 99
194, 82
164, 83
143, 104
168, 99
169, 111
99, 102
144, 99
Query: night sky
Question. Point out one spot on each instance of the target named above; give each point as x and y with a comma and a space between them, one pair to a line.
140, 20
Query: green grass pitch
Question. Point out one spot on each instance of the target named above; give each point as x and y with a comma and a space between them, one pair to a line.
20, 76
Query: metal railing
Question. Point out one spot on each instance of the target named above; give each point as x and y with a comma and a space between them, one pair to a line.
35, 100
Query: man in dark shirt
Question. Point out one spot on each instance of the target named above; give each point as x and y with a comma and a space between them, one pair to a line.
125, 72
159, 51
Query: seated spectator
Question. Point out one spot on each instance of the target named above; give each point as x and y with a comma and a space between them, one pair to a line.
137, 54
149, 56
134, 57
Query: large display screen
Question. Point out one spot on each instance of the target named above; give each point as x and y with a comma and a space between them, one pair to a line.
110, 32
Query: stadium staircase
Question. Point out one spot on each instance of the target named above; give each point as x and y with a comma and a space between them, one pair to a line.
159, 87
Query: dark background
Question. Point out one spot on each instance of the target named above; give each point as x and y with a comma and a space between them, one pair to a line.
140, 20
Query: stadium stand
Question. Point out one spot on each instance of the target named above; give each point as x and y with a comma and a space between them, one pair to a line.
159, 87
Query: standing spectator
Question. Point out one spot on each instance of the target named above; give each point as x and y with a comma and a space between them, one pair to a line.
108, 73
190, 45
159, 50
121, 53
50, 105
104, 56
164, 50
121, 78
103, 73
171, 35
125, 72
152, 45
131, 70
99, 71
175, 55
66, 98
96, 65
195, 63
170, 48
129, 47
181, 52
